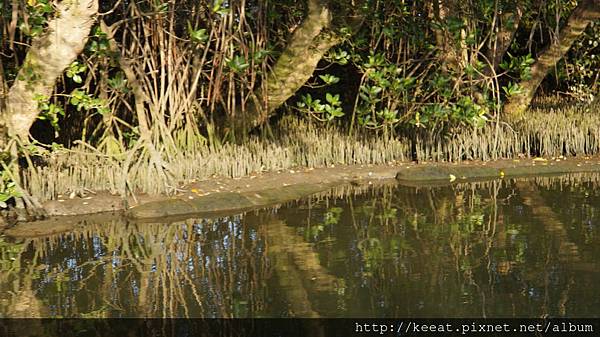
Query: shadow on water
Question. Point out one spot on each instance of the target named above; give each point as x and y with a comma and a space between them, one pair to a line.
514, 248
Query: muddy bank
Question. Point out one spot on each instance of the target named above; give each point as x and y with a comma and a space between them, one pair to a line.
443, 173
223, 194
209, 198
218, 196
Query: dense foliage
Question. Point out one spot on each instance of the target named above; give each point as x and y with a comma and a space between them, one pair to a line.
395, 64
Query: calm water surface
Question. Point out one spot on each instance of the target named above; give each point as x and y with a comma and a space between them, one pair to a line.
496, 249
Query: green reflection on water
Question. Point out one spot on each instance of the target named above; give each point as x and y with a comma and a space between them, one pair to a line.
524, 248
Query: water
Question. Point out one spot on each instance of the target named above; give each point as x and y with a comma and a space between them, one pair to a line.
525, 248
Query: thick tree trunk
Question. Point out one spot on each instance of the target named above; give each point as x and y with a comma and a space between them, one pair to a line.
585, 12
49, 55
294, 67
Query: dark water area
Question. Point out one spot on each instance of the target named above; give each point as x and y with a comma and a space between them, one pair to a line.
514, 248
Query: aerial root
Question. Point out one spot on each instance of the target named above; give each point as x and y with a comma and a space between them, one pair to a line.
28, 208
162, 169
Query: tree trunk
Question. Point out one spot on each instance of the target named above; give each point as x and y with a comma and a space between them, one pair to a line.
50, 54
294, 67
585, 12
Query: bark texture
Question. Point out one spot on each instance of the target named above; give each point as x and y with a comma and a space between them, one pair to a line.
295, 66
49, 55
585, 12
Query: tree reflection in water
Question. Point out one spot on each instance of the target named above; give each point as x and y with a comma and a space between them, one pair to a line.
494, 249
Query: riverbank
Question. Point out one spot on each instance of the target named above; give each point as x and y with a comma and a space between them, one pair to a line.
302, 159
222, 195
217, 196
294, 143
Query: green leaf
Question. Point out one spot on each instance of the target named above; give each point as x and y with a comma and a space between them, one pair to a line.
333, 100
197, 35
376, 90
329, 79
217, 6
260, 55
237, 64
